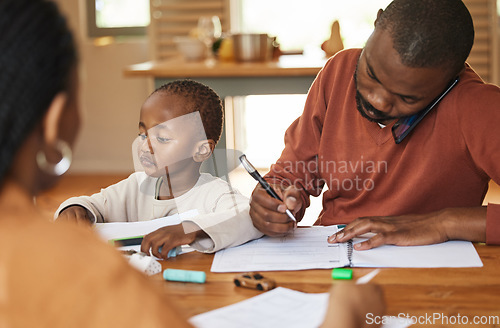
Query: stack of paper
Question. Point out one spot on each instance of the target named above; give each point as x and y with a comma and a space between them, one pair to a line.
307, 248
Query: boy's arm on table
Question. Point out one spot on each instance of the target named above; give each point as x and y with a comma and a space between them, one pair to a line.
93, 205
228, 226
224, 229
108, 202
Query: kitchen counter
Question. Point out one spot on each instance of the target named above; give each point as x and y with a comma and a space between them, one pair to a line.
286, 66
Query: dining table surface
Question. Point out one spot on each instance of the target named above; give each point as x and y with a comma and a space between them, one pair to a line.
469, 294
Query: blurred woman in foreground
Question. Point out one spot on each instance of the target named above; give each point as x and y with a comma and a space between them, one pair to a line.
53, 275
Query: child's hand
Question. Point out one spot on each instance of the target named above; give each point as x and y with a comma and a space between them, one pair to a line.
76, 214
166, 238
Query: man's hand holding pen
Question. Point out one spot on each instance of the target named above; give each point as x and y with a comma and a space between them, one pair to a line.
269, 214
272, 208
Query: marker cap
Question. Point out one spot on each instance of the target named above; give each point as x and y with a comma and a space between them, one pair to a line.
173, 252
341, 273
198, 277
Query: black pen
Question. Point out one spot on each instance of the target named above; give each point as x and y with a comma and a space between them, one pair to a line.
255, 174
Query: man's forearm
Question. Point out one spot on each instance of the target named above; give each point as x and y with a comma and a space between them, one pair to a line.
466, 223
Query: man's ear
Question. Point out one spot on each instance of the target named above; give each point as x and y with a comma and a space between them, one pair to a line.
52, 118
204, 149
380, 11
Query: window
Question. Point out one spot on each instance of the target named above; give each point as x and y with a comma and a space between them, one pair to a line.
264, 148
117, 17
300, 24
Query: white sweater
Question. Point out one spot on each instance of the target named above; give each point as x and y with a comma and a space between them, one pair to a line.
222, 211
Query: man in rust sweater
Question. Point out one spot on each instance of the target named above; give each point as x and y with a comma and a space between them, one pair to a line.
413, 186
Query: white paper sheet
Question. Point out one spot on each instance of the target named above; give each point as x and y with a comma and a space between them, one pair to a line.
451, 254
280, 307
307, 248
114, 230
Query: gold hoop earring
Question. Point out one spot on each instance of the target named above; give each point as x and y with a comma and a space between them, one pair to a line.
60, 167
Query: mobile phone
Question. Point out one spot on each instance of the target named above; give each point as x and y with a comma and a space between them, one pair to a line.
405, 125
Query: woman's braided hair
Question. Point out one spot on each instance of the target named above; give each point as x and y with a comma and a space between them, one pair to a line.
37, 54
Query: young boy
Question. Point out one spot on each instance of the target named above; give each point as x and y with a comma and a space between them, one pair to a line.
180, 124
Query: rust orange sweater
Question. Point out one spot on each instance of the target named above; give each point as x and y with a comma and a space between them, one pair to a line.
447, 161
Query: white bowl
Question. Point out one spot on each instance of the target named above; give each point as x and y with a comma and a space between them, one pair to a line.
191, 48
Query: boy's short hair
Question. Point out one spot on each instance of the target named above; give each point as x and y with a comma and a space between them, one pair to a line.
199, 98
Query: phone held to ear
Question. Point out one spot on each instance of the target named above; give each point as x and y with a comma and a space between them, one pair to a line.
405, 125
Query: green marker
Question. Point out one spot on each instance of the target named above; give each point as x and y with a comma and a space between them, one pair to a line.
341, 273
126, 241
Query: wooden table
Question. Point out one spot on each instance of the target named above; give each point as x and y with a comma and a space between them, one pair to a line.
469, 292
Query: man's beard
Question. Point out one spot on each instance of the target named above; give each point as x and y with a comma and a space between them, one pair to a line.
363, 106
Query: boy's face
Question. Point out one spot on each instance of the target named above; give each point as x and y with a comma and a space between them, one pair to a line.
168, 136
